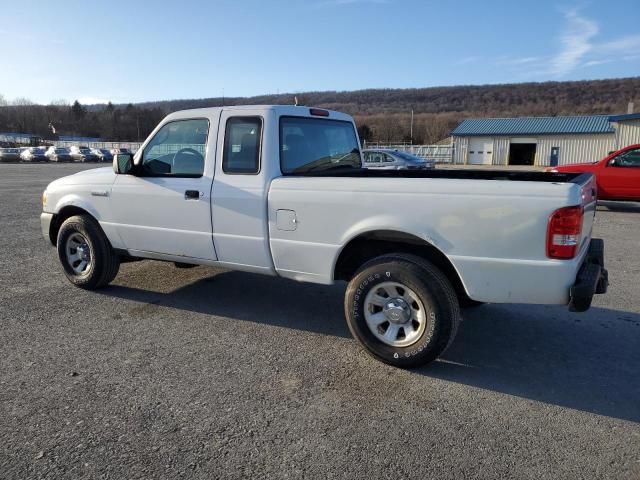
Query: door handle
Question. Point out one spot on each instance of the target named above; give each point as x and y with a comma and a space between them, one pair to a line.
191, 195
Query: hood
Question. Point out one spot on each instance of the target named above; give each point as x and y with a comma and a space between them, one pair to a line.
94, 176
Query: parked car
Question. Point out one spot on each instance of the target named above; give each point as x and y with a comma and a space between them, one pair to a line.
115, 151
617, 175
387, 159
58, 154
103, 154
9, 154
286, 195
33, 154
82, 154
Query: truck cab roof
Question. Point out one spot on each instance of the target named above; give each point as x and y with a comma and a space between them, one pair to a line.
280, 110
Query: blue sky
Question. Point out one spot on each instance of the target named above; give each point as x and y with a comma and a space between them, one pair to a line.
130, 51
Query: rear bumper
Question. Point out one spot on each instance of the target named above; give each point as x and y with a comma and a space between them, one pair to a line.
592, 278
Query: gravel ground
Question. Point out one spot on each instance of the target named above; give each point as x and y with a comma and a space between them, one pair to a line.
205, 373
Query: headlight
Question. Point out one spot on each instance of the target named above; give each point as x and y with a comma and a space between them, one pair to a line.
44, 199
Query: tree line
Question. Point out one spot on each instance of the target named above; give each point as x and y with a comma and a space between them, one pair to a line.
110, 122
381, 114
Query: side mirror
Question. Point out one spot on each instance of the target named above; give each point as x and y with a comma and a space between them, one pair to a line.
123, 163
612, 162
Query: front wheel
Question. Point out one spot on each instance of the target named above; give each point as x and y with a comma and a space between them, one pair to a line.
86, 255
402, 309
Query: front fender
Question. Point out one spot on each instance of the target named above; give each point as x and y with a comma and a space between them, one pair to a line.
77, 201
96, 206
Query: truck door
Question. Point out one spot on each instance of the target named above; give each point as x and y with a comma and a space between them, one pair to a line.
165, 208
247, 159
620, 178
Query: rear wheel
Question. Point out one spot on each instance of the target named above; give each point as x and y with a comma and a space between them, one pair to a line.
85, 253
402, 309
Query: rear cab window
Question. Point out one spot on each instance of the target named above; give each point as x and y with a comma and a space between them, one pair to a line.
242, 141
314, 145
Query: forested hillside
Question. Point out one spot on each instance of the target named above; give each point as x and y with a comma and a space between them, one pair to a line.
382, 114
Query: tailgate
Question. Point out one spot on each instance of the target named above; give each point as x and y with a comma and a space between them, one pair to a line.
589, 195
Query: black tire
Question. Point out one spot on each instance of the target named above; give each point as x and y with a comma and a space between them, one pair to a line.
104, 263
432, 288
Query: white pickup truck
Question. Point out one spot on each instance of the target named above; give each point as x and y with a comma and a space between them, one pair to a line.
279, 190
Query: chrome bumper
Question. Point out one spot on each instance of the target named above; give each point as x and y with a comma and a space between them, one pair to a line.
45, 224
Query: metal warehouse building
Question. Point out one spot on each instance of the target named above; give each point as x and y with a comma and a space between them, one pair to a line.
542, 140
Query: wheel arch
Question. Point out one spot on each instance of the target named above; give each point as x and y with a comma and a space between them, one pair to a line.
59, 218
371, 244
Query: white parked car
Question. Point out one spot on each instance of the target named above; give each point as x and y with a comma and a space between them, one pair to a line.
115, 151
82, 154
279, 190
33, 154
58, 154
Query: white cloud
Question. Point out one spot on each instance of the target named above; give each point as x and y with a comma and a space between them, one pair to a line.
520, 61
576, 43
594, 63
579, 47
626, 44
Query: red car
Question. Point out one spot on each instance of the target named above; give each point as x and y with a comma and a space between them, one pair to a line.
618, 175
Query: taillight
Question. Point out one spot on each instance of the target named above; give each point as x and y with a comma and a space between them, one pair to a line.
318, 112
564, 231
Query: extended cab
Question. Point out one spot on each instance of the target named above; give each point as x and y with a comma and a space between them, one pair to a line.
280, 190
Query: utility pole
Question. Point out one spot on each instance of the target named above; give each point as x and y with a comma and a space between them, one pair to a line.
412, 126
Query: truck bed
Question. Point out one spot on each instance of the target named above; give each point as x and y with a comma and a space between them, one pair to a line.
491, 225
462, 174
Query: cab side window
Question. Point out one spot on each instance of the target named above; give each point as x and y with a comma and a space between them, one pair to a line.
177, 150
242, 140
630, 158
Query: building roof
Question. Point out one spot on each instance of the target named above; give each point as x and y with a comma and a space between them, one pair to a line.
622, 118
534, 126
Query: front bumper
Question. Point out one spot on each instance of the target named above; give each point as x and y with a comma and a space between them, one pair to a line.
45, 224
592, 278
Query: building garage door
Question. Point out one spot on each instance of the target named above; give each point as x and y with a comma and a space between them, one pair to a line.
480, 151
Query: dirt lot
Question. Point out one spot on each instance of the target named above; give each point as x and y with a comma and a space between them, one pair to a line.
203, 373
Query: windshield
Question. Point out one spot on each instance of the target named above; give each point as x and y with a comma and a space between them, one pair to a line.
314, 144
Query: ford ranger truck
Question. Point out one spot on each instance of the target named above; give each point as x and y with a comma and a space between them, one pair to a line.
280, 190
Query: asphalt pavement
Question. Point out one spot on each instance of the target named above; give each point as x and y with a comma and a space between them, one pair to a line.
207, 373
